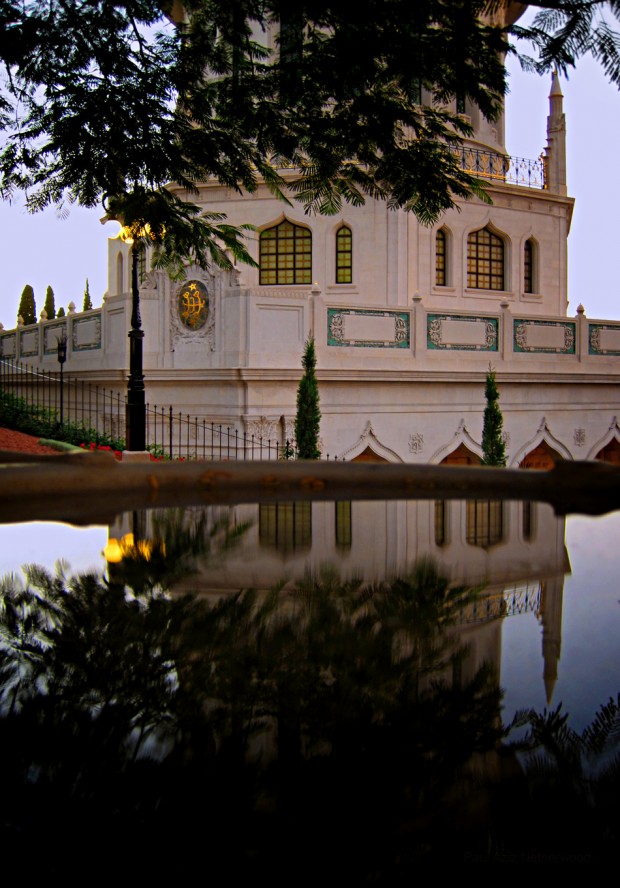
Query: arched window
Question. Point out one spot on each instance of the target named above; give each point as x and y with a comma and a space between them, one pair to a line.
285, 526
542, 457
343, 524
440, 523
485, 522
485, 260
461, 456
142, 264
610, 452
344, 255
120, 274
441, 256
528, 266
285, 255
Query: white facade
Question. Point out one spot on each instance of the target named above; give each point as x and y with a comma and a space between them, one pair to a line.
403, 343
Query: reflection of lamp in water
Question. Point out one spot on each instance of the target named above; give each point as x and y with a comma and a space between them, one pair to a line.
127, 547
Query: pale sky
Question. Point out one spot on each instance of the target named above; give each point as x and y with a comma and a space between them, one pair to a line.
41, 249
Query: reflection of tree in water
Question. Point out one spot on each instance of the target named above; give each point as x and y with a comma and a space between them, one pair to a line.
260, 733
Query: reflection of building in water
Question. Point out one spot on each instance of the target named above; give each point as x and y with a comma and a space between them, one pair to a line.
406, 319
374, 541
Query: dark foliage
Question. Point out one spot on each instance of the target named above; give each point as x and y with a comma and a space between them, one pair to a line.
87, 304
22, 416
27, 309
493, 447
160, 730
110, 102
49, 306
308, 418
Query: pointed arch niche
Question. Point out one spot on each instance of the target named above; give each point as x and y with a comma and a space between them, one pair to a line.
542, 451
368, 448
484, 520
539, 454
462, 447
607, 449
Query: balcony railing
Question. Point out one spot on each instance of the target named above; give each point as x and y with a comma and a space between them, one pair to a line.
502, 167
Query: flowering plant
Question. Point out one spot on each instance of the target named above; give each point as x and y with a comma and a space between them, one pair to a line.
118, 454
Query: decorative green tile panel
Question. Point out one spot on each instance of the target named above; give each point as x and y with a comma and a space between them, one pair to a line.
51, 335
544, 337
601, 342
8, 345
361, 328
86, 333
456, 332
28, 343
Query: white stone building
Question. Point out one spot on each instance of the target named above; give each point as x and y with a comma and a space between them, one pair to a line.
406, 321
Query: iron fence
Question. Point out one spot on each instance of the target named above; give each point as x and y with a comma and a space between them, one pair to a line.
98, 414
502, 167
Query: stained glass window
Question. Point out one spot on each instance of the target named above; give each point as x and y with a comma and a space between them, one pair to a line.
440, 258
485, 260
344, 255
528, 267
286, 255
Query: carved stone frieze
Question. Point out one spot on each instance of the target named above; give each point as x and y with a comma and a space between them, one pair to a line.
263, 428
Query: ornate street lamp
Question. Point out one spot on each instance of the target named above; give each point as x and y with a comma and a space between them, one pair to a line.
135, 417
61, 355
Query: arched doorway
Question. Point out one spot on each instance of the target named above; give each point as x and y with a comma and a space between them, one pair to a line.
610, 453
369, 455
462, 456
485, 518
543, 457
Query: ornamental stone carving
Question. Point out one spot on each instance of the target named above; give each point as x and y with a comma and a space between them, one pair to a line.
401, 330
262, 428
416, 442
336, 327
579, 437
193, 311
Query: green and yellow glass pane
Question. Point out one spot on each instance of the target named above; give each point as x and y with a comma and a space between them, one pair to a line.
285, 526
440, 259
343, 524
485, 260
484, 523
285, 255
528, 278
344, 255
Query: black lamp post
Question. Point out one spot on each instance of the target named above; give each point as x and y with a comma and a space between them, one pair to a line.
135, 417
61, 355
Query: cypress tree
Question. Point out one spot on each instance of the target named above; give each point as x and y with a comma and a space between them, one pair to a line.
61, 312
308, 414
87, 300
49, 304
493, 448
27, 308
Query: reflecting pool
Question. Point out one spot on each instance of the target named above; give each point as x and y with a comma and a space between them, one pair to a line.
294, 687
